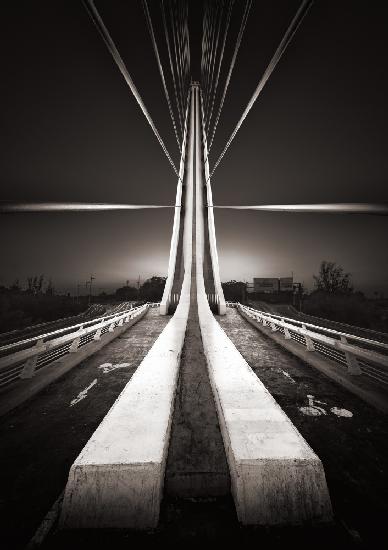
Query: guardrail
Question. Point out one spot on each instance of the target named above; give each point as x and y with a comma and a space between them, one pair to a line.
354, 337
23, 359
15, 335
370, 360
341, 326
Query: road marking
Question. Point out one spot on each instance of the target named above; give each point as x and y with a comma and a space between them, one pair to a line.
286, 375
83, 394
108, 367
341, 412
47, 524
313, 409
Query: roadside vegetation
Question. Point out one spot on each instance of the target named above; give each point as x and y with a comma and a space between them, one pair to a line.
36, 301
333, 297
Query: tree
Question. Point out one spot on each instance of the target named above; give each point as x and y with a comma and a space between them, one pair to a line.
152, 289
29, 285
35, 284
15, 287
50, 291
127, 293
332, 279
234, 291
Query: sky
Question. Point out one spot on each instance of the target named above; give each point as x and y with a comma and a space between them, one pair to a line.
71, 131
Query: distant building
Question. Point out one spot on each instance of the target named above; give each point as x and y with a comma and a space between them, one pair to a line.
267, 285
272, 285
286, 284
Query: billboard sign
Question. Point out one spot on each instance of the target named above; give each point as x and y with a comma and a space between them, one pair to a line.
286, 284
269, 284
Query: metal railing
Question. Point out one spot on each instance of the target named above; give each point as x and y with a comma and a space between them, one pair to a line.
356, 354
23, 359
213, 298
17, 334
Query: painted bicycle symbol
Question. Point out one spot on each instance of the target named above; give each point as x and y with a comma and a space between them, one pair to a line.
313, 409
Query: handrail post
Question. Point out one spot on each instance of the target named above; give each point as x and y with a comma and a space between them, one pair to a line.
30, 365
76, 342
351, 360
309, 343
287, 334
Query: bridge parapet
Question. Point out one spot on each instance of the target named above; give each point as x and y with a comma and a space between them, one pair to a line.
358, 363
356, 352
21, 360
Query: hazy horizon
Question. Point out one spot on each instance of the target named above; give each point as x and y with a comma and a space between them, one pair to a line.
73, 132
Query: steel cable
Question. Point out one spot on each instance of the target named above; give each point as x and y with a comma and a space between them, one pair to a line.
212, 37
180, 114
215, 50
228, 19
330, 208
156, 50
176, 54
291, 30
99, 24
232, 64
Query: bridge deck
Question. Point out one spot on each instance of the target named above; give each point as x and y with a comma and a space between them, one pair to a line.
196, 464
289, 311
354, 451
41, 439
215, 518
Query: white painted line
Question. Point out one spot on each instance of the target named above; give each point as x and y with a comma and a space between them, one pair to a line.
284, 373
46, 526
83, 394
108, 367
287, 376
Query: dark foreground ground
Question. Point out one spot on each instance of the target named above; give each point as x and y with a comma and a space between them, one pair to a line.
41, 439
353, 450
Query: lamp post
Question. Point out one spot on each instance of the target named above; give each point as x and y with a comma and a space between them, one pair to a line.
298, 293
78, 287
89, 283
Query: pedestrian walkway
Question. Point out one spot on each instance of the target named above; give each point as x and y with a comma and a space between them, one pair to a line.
41, 438
349, 436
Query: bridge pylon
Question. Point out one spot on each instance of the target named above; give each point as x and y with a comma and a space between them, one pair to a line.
194, 130
117, 481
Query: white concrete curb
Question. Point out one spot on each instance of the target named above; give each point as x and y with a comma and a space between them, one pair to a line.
276, 477
117, 480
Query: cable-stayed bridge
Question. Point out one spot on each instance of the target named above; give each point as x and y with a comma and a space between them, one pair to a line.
194, 419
